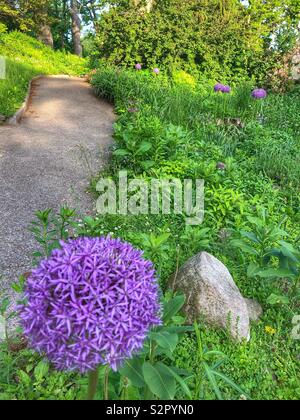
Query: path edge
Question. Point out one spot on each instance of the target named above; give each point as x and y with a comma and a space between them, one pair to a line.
17, 117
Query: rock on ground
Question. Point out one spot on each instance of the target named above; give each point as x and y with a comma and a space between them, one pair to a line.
212, 294
47, 161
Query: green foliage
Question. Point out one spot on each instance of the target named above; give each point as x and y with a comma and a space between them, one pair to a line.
251, 216
26, 58
220, 39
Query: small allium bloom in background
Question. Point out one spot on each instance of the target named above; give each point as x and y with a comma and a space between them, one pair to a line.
219, 87
156, 70
133, 110
259, 94
138, 66
221, 166
91, 302
226, 89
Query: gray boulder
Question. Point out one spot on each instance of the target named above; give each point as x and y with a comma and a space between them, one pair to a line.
212, 294
254, 309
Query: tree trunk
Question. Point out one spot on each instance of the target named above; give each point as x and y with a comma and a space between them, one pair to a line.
76, 28
45, 36
148, 7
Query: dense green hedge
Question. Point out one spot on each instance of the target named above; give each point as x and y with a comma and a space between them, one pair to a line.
199, 37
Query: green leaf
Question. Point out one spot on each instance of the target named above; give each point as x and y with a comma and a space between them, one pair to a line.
165, 340
160, 383
121, 153
144, 148
41, 371
253, 270
147, 164
250, 235
212, 380
24, 378
247, 249
274, 299
133, 370
172, 307
181, 382
230, 383
276, 272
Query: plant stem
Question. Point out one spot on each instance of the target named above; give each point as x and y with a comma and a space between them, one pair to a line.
105, 384
93, 383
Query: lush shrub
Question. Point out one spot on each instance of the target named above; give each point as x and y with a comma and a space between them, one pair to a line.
220, 41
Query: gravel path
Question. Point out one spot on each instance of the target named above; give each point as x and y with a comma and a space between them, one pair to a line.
47, 161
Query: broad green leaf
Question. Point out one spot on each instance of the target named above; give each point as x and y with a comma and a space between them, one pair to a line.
275, 272
144, 148
160, 383
247, 249
121, 153
181, 382
41, 371
165, 340
172, 307
250, 235
24, 378
274, 299
147, 164
133, 371
253, 270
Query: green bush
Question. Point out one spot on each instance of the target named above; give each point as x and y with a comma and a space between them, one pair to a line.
219, 41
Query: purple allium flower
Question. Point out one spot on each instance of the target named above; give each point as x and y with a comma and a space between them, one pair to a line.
221, 166
133, 110
91, 302
156, 70
218, 87
226, 89
138, 66
222, 88
259, 94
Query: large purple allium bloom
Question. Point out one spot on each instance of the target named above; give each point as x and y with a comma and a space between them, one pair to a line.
91, 302
138, 66
259, 94
156, 70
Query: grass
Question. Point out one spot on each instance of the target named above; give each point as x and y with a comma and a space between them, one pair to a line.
26, 58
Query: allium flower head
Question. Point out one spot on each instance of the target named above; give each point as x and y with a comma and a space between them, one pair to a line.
221, 166
156, 70
226, 89
91, 302
219, 87
138, 66
259, 94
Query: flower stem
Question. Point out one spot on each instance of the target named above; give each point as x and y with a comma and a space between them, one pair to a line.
93, 383
105, 384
